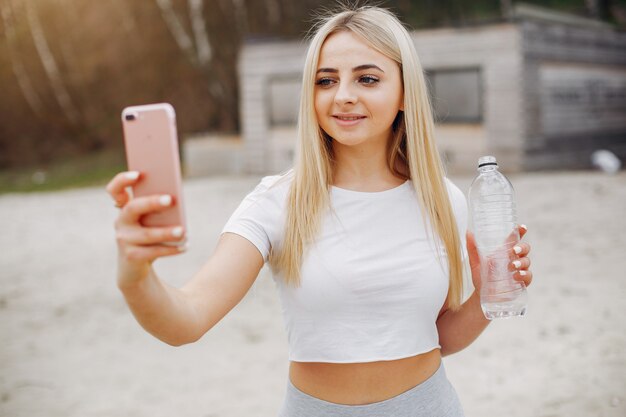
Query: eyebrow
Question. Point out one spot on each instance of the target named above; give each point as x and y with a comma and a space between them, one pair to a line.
355, 69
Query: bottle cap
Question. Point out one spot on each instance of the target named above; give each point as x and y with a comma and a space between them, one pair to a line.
487, 160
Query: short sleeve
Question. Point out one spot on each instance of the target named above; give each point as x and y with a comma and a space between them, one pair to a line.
257, 217
459, 207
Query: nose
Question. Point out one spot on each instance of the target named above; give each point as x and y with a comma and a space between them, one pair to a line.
345, 93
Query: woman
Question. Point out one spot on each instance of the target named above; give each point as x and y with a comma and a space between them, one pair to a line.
363, 237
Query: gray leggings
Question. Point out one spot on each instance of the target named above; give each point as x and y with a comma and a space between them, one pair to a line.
434, 397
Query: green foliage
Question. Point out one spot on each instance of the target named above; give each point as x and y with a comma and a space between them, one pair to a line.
431, 13
79, 171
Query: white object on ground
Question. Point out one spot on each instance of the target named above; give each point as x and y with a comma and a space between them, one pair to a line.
606, 161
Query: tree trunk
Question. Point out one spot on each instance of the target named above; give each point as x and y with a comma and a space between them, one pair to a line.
183, 40
598, 9
273, 11
124, 15
203, 46
506, 9
241, 15
23, 80
47, 59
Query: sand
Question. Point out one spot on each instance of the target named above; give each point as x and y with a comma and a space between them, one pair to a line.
71, 348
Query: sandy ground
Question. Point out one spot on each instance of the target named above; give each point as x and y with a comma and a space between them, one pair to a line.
71, 348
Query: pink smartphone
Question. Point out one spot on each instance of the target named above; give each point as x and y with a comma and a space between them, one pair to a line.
151, 145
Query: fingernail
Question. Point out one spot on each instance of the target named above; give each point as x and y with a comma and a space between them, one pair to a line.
165, 200
522, 273
524, 226
517, 249
132, 175
517, 264
177, 231
183, 248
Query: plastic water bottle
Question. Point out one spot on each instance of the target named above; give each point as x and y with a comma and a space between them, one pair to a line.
494, 224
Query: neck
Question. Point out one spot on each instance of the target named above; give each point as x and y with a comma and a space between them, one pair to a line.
362, 168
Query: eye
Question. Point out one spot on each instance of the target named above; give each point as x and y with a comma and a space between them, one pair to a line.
368, 79
325, 82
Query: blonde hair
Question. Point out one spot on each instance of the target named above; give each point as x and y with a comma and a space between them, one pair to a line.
412, 145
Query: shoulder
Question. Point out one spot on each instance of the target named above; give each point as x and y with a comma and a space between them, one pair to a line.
275, 182
270, 193
273, 187
260, 216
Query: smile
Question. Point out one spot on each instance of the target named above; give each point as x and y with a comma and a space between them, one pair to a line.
349, 118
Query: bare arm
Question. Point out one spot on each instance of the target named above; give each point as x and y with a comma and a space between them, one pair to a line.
180, 316
458, 329
176, 316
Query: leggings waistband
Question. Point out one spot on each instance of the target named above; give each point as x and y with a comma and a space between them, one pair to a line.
434, 397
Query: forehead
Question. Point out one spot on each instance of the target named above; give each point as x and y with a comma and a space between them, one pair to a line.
345, 49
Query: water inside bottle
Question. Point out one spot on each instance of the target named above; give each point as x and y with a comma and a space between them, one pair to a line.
501, 295
505, 306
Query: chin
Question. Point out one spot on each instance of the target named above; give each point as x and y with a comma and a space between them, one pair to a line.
347, 141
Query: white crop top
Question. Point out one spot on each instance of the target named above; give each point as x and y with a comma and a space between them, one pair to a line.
371, 284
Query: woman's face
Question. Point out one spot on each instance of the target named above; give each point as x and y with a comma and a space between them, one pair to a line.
358, 91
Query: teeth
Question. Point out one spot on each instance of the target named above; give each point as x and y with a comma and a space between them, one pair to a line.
348, 118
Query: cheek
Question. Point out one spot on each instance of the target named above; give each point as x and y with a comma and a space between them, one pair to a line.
320, 105
386, 106
317, 103
385, 111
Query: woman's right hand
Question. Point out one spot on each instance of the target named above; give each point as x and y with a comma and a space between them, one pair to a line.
138, 246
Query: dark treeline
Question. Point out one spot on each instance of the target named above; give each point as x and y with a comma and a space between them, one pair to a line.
68, 67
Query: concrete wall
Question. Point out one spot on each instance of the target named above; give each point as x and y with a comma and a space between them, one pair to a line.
575, 95
495, 51
260, 66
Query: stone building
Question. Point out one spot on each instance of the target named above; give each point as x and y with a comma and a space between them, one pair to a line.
541, 91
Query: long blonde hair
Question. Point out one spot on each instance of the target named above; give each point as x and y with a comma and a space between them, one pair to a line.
412, 146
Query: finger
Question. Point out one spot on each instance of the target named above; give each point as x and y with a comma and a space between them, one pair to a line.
521, 249
513, 241
150, 235
520, 264
150, 253
525, 276
117, 186
522, 230
140, 206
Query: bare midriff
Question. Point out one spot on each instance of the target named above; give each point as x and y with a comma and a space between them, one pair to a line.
363, 383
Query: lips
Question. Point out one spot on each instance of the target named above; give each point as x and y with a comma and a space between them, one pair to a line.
348, 117
346, 120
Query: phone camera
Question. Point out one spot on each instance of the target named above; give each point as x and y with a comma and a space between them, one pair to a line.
131, 116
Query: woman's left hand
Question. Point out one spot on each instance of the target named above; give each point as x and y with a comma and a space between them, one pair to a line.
519, 260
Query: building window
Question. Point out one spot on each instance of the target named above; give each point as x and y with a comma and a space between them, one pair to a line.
456, 95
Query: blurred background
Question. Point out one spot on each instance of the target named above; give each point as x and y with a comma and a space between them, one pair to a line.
540, 84
68, 67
